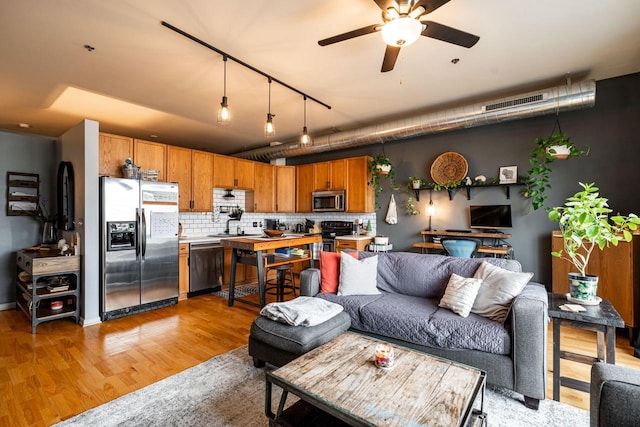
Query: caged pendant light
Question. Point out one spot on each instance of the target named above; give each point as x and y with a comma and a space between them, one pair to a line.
269, 128
224, 114
305, 138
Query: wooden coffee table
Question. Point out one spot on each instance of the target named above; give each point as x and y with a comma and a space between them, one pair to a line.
338, 382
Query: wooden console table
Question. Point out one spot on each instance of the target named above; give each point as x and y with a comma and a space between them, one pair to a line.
499, 250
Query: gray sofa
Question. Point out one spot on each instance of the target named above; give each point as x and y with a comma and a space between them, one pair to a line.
513, 353
615, 393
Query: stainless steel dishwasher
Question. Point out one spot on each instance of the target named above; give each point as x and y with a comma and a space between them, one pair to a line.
206, 268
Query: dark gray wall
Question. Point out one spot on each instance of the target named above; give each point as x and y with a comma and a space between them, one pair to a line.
30, 154
611, 129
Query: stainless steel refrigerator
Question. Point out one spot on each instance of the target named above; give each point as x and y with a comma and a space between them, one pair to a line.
139, 246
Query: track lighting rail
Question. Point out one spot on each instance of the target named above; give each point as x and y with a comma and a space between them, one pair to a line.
244, 64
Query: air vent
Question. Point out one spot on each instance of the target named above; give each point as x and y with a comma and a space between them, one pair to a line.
514, 102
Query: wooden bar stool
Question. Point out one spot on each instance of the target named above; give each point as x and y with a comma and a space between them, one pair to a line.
282, 284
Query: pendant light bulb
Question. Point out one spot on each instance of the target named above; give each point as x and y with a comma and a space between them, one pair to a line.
224, 114
305, 138
269, 128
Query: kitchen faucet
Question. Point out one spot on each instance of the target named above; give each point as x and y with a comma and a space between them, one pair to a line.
226, 231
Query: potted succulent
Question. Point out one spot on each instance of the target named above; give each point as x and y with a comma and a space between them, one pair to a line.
547, 150
381, 167
585, 224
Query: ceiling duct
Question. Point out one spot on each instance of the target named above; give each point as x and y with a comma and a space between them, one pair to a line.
567, 97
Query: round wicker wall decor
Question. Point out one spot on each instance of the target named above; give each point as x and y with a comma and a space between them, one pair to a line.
449, 167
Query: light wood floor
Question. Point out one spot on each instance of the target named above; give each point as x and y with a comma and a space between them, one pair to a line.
65, 369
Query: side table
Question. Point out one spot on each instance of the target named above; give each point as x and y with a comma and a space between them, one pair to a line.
602, 319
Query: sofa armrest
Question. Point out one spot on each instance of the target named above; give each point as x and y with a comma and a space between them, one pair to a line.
309, 282
529, 322
615, 393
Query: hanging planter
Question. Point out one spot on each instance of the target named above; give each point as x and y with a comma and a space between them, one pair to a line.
557, 146
381, 167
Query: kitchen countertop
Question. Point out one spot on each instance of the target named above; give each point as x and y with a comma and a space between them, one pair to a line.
204, 238
354, 237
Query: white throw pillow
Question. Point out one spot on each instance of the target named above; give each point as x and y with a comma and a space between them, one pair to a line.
358, 277
460, 294
499, 288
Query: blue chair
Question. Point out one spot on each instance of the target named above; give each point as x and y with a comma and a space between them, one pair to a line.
460, 247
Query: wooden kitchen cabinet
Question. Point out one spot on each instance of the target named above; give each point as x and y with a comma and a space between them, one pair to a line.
151, 155
230, 172
193, 171
360, 196
285, 188
618, 271
330, 175
183, 280
304, 187
179, 171
264, 188
113, 150
354, 244
201, 181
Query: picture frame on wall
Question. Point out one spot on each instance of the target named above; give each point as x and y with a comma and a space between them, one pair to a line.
508, 175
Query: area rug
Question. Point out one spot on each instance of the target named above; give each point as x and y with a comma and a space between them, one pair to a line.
241, 291
228, 391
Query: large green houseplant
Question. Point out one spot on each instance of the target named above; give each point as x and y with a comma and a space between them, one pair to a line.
584, 225
547, 150
381, 168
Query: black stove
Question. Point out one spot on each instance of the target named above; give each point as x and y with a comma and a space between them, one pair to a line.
332, 229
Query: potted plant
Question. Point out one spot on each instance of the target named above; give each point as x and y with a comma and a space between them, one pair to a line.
381, 167
416, 183
584, 225
410, 207
557, 146
236, 213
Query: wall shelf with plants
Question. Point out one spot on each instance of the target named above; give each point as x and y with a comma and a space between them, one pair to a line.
452, 188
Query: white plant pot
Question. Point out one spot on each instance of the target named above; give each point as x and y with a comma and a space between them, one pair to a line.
383, 169
415, 185
381, 240
583, 288
560, 152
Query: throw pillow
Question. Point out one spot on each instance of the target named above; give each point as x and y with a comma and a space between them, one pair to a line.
358, 277
499, 288
460, 294
330, 271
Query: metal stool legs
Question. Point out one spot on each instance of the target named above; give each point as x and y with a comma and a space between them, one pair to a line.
281, 285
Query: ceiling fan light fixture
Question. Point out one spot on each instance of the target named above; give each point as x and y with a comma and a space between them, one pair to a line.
402, 31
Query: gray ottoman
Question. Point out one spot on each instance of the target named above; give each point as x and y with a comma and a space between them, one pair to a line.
278, 343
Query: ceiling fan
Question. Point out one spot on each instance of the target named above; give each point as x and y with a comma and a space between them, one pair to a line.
402, 27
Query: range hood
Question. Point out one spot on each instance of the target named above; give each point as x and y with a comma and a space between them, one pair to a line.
546, 101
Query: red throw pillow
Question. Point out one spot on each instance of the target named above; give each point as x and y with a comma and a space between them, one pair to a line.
330, 271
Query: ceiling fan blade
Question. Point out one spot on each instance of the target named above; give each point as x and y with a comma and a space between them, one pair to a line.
448, 34
350, 34
390, 57
430, 5
386, 4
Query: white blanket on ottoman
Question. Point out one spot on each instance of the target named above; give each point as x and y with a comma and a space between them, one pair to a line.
302, 311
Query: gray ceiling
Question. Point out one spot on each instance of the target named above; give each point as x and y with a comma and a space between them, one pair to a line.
143, 79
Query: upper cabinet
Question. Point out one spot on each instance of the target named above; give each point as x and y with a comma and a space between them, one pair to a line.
285, 188
151, 155
230, 172
330, 175
304, 186
359, 192
113, 150
193, 171
264, 188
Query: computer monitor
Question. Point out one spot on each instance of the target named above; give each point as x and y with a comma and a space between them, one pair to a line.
490, 216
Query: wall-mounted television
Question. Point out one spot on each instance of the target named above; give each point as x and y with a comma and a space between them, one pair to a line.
490, 216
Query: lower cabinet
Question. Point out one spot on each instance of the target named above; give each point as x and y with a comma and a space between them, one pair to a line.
356, 245
184, 271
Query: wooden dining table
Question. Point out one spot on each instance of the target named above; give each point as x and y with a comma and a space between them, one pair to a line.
252, 251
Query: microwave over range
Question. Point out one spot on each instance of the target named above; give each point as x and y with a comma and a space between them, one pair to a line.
328, 201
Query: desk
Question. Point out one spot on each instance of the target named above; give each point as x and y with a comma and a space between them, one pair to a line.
424, 246
250, 251
602, 319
